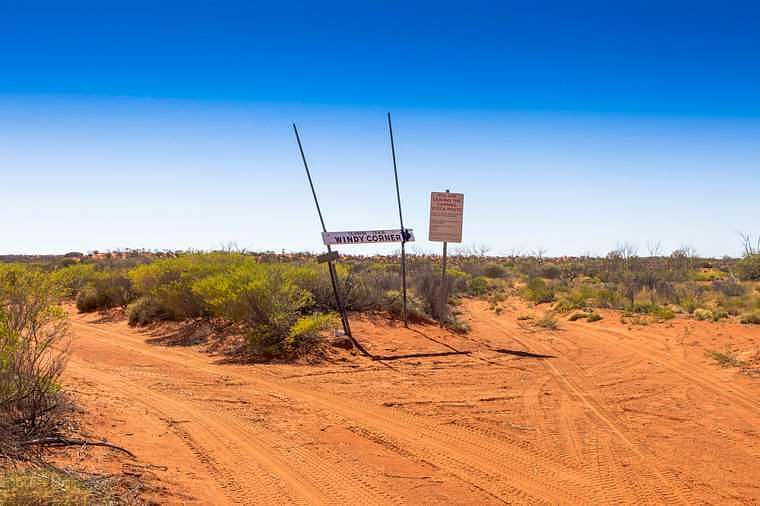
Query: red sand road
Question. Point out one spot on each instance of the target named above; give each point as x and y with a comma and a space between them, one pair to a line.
595, 413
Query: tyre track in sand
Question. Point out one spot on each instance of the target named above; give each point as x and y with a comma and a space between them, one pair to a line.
660, 486
505, 471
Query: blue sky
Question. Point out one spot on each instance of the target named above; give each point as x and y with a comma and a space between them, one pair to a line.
570, 127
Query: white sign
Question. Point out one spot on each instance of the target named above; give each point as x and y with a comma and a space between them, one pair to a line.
366, 237
446, 211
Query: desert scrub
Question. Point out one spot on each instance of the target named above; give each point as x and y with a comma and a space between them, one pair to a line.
32, 332
42, 487
752, 317
170, 281
264, 298
415, 308
146, 310
494, 271
477, 286
538, 291
594, 317
708, 275
87, 300
655, 310
105, 290
725, 358
576, 299
74, 278
749, 267
304, 336
548, 321
703, 314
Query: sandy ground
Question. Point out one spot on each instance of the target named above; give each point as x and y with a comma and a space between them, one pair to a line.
595, 413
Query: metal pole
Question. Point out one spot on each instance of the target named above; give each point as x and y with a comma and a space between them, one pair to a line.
331, 266
403, 230
444, 288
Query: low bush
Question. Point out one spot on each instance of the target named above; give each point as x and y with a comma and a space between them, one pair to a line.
649, 308
146, 310
594, 317
305, 334
729, 288
749, 267
752, 317
703, 314
106, 290
538, 291
494, 271
709, 275
725, 358
38, 487
575, 299
548, 321
87, 300
477, 286
74, 277
415, 308
265, 298
32, 352
720, 315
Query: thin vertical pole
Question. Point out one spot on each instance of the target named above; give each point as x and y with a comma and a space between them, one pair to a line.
403, 230
444, 287
331, 266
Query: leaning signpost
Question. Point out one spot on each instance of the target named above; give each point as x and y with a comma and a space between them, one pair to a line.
446, 214
330, 256
402, 235
404, 232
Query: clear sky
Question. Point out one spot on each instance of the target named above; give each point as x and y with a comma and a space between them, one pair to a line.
569, 126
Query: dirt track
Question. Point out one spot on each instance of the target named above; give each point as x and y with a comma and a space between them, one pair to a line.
595, 413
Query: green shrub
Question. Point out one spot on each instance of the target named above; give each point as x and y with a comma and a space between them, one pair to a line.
752, 317
32, 330
593, 317
656, 310
494, 271
708, 275
749, 267
720, 315
415, 308
74, 277
477, 286
725, 358
538, 291
609, 298
170, 281
304, 334
729, 288
733, 305
548, 321
549, 271
263, 297
703, 314
38, 487
572, 300
87, 300
146, 310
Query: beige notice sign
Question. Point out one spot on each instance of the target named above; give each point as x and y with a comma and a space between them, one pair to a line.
446, 211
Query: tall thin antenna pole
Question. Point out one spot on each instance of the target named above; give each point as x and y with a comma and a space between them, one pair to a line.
403, 230
330, 265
